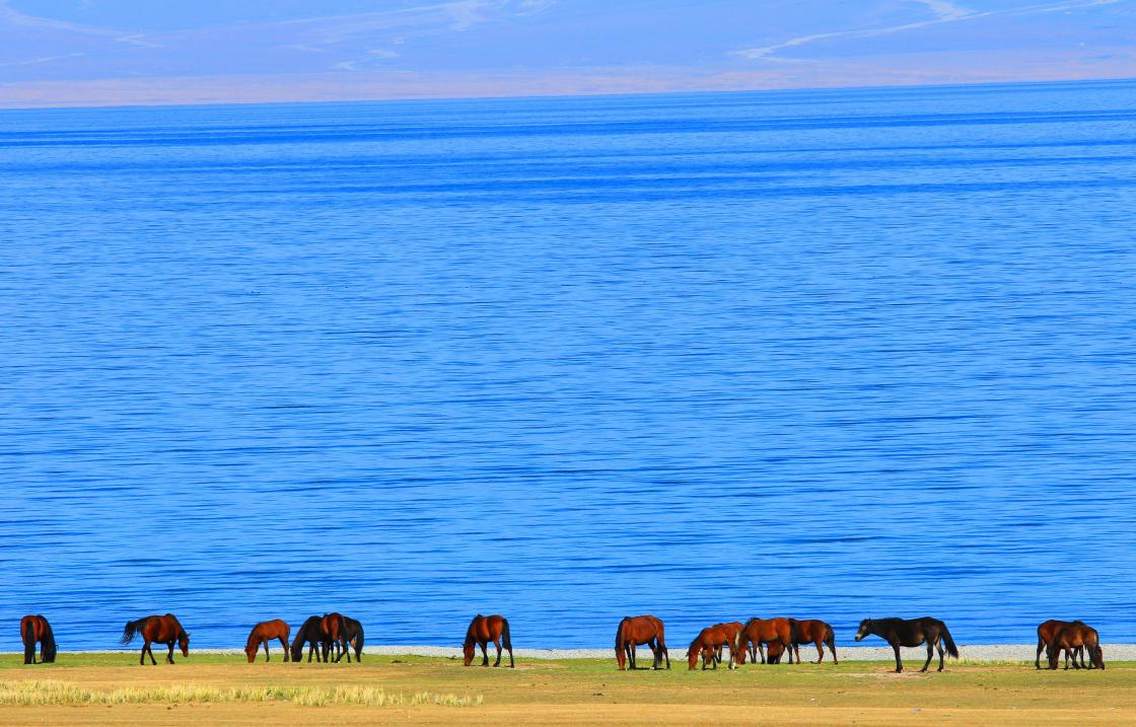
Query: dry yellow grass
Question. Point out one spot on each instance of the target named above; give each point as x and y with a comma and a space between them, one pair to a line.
211, 689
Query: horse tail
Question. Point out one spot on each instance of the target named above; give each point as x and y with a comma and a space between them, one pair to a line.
29, 638
948, 641
506, 639
49, 647
131, 628
829, 636
359, 642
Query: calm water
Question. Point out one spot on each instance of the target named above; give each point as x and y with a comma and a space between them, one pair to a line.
826, 354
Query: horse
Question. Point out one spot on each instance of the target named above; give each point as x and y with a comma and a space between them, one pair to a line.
264, 632
635, 630
707, 644
757, 632
812, 631
334, 632
354, 633
900, 632
482, 630
1074, 636
310, 633
35, 629
157, 629
1045, 633
731, 628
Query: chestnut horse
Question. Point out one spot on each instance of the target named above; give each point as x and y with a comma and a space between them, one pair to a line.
913, 632
1076, 635
264, 632
312, 635
708, 644
482, 630
334, 631
1045, 633
758, 632
731, 628
813, 631
635, 630
35, 629
157, 629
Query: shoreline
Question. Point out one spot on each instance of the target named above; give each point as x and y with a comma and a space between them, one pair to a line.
977, 653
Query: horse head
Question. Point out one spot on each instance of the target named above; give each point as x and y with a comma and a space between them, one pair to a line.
864, 630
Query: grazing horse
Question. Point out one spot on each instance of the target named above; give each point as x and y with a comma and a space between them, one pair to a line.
482, 630
812, 631
900, 632
157, 629
635, 630
35, 629
731, 628
1045, 633
334, 631
1074, 636
758, 632
708, 644
264, 632
312, 635
354, 633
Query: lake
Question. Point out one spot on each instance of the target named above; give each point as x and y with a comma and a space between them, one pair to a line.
831, 354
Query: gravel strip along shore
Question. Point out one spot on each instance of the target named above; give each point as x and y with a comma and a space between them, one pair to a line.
990, 653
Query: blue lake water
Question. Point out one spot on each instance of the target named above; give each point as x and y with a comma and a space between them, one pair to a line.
828, 354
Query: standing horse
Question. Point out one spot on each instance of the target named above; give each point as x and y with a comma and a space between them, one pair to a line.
354, 633
812, 631
310, 633
708, 644
1045, 633
899, 632
1071, 637
731, 628
35, 629
264, 632
758, 632
635, 630
482, 630
157, 629
334, 631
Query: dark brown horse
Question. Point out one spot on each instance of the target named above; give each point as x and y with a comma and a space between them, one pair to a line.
1045, 633
264, 632
157, 629
354, 634
708, 644
635, 630
309, 633
1074, 636
482, 630
900, 632
334, 630
812, 631
756, 633
33, 630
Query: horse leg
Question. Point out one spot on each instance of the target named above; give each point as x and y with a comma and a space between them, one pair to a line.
761, 650
170, 656
930, 654
789, 650
497, 643
484, 653
820, 652
631, 654
1037, 656
898, 662
267, 658
942, 651
345, 649
284, 647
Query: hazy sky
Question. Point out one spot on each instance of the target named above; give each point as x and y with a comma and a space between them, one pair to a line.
65, 52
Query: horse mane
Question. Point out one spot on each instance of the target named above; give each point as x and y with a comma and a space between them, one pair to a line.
469, 631
619, 631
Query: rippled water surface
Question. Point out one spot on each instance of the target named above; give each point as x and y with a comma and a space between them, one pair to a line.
825, 354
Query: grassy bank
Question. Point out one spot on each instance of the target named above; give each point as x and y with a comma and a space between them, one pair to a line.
111, 688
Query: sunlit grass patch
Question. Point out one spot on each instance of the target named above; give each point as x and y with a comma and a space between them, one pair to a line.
30, 693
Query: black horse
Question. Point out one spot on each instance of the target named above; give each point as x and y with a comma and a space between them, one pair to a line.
353, 631
310, 633
900, 632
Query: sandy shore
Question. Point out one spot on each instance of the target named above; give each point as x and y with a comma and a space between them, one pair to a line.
979, 653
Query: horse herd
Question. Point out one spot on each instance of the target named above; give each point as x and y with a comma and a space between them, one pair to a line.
334, 636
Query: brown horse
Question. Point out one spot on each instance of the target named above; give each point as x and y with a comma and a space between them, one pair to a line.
157, 629
812, 631
1074, 636
1045, 633
35, 629
708, 644
900, 632
309, 633
264, 632
334, 631
635, 630
731, 628
758, 632
482, 630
